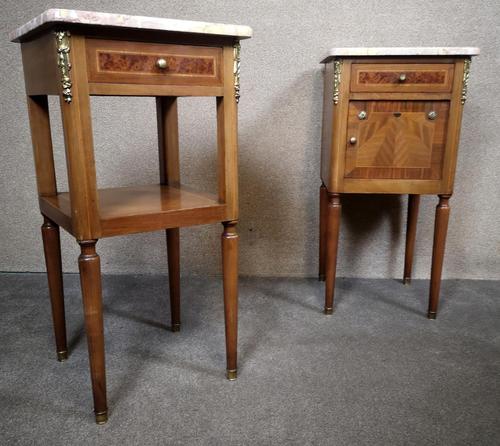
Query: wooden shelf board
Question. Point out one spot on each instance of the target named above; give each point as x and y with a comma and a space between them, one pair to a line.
127, 210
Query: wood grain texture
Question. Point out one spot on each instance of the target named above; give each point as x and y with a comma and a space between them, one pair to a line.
332, 242
90, 279
52, 251
227, 140
396, 140
127, 210
411, 235
115, 61
107, 89
41, 74
168, 150
38, 111
440, 231
230, 272
323, 220
436, 77
78, 141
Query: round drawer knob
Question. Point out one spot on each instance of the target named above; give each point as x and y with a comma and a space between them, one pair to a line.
353, 140
432, 115
362, 115
402, 77
161, 64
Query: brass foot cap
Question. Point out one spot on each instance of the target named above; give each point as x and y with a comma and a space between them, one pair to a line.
101, 417
431, 315
62, 356
407, 281
175, 327
328, 311
321, 277
231, 374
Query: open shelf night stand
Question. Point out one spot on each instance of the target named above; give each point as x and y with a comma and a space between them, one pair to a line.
77, 54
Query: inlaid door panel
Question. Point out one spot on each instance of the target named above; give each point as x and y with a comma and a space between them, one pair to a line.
396, 139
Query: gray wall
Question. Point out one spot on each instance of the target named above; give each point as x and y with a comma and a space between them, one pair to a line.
280, 115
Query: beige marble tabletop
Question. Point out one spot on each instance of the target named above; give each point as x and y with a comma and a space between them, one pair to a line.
128, 21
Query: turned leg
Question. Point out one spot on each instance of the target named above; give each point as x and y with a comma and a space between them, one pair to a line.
90, 278
323, 206
411, 232
174, 277
52, 251
332, 241
440, 230
230, 272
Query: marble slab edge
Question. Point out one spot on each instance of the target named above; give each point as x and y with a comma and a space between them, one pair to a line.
402, 51
61, 16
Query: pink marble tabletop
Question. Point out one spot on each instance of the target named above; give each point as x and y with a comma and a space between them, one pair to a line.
128, 21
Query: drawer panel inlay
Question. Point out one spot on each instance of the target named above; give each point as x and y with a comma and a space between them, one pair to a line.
401, 77
396, 139
119, 62
140, 63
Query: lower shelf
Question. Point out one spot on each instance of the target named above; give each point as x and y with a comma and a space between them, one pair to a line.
127, 210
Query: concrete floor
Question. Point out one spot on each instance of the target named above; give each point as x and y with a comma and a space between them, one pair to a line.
377, 372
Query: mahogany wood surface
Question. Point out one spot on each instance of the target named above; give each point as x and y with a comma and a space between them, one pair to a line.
323, 216
230, 273
115, 61
127, 210
396, 140
38, 111
52, 251
106, 61
418, 77
332, 242
381, 137
440, 230
168, 153
411, 234
90, 278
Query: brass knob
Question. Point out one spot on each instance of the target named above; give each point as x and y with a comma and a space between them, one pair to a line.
432, 115
353, 140
161, 64
402, 77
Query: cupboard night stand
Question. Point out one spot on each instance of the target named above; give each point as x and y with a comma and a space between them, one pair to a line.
77, 54
391, 125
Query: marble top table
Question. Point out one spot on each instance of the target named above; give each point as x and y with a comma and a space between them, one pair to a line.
400, 51
54, 16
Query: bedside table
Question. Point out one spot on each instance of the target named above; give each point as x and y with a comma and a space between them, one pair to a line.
78, 54
391, 125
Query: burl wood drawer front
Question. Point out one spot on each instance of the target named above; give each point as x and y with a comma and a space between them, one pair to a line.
396, 139
113, 61
401, 77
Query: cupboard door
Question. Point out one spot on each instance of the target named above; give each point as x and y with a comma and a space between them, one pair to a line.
396, 139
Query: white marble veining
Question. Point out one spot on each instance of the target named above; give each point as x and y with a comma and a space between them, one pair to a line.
402, 51
129, 21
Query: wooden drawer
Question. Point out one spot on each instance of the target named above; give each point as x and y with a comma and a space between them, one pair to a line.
402, 77
122, 62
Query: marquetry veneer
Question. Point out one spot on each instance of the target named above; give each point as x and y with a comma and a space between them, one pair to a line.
76, 54
391, 124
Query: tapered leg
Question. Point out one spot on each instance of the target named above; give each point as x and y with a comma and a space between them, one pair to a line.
52, 251
440, 230
411, 231
90, 278
332, 241
323, 206
174, 277
230, 272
